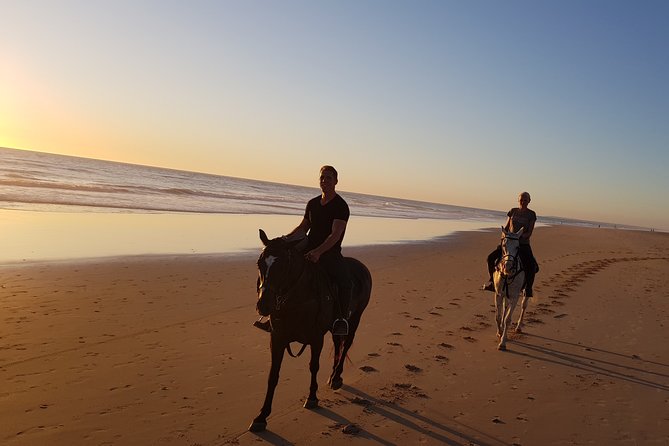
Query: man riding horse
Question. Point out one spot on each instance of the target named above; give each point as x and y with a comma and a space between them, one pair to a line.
324, 224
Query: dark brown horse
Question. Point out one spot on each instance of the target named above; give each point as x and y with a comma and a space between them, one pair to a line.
297, 297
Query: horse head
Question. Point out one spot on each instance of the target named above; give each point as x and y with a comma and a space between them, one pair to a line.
510, 247
279, 266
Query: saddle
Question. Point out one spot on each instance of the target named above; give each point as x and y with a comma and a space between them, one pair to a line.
331, 305
325, 291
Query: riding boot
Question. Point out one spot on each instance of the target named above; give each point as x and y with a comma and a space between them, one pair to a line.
263, 325
529, 281
489, 285
492, 260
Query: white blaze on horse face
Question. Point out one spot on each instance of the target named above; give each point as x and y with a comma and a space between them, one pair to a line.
510, 252
269, 260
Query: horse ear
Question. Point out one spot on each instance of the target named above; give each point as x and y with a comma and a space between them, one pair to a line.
519, 233
263, 237
504, 231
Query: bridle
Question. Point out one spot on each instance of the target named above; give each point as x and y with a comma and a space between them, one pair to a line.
514, 258
285, 289
516, 266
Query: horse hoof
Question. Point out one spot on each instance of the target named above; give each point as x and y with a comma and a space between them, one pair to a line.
501, 348
311, 404
335, 384
258, 426
519, 330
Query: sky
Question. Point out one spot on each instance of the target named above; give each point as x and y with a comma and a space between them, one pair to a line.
459, 102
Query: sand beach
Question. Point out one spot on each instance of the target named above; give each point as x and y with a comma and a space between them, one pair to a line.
159, 350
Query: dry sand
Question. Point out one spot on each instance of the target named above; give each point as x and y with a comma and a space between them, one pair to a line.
161, 351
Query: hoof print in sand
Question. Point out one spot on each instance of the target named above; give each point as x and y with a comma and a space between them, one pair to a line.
413, 368
351, 429
361, 401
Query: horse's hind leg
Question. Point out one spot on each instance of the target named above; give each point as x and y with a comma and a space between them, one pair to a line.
314, 365
341, 350
523, 307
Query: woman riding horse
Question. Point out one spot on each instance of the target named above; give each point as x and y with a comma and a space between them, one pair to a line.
520, 217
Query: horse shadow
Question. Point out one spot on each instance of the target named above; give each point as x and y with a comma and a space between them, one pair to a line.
426, 426
625, 367
437, 431
273, 438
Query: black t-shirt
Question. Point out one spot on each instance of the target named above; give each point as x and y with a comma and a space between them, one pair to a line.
321, 218
521, 219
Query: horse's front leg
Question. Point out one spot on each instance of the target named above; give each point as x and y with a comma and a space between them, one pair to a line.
510, 305
260, 422
314, 365
499, 312
523, 307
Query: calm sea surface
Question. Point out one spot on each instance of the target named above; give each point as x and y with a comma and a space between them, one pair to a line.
54, 206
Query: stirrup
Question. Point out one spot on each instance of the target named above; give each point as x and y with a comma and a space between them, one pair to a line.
340, 327
263, 325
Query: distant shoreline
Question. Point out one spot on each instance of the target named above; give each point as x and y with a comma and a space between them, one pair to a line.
30, 237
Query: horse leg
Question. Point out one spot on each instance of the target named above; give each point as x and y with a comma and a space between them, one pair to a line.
314, 365
523, 307
499, 312
338, 346
260, 422
336, 380
509, 306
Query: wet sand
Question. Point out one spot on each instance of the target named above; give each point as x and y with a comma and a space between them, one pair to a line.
159, 350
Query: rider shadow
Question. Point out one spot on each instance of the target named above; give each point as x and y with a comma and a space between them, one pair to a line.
596, 349
406, 418
591, 364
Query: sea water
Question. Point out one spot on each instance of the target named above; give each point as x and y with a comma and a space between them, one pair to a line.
55, 206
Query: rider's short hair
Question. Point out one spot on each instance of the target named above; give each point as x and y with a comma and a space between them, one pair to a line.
330, 169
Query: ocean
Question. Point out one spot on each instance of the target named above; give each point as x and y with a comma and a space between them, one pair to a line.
55, 206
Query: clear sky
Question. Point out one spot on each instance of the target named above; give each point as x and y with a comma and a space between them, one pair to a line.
461, 102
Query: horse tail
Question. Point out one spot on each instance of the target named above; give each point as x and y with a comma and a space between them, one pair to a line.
363, 279
338, 351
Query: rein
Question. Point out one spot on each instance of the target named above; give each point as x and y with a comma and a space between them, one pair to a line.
282, 298
517, 268
290, 352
